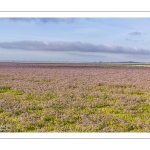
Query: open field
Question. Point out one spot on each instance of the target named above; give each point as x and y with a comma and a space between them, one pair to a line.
143, 65
74, 98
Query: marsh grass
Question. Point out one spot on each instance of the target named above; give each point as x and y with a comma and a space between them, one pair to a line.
74, 98
4, 89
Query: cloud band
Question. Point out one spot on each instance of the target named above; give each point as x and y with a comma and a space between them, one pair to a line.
71, 46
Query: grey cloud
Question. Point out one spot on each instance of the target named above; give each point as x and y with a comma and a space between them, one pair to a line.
135, 40
71, 47
136, 33
44, 20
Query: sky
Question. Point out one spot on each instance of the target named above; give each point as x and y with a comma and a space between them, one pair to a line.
75, 39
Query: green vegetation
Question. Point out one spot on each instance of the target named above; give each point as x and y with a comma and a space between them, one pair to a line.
4, 89
80, 99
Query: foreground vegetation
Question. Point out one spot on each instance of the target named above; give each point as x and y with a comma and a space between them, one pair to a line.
74, 98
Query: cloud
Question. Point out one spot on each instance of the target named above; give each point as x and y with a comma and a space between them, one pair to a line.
134, 40
71, 47
44, 20
136, 33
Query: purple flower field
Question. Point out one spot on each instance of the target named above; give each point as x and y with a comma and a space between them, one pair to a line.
38, 97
